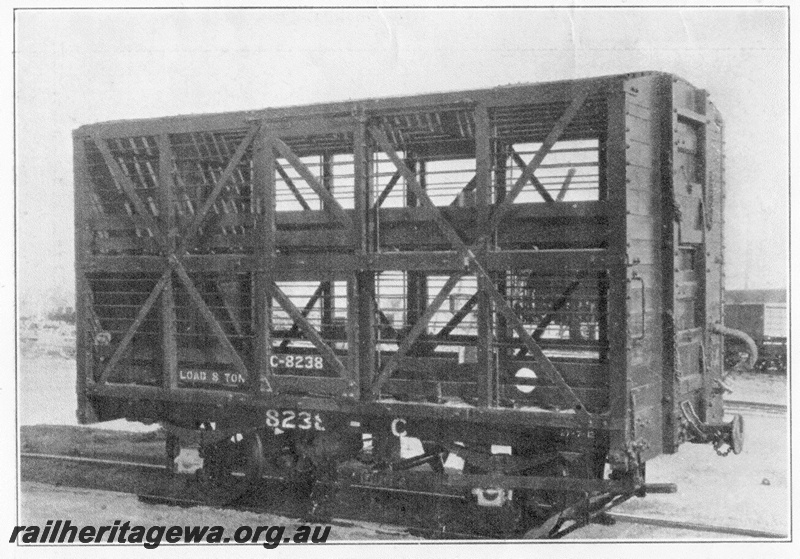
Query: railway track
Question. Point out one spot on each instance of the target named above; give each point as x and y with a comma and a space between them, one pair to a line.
130, 474
694, 526
744, 406
362, 503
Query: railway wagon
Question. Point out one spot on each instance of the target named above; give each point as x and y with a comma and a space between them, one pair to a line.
526, 279
761, 313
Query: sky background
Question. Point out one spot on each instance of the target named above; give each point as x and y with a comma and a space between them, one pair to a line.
79, 67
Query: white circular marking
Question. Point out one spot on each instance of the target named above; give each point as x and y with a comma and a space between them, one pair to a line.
525, 373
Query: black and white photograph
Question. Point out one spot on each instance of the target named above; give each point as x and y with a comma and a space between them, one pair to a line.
339, 279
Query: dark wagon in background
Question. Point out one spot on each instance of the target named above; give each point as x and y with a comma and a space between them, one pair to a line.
762, 314
527, 278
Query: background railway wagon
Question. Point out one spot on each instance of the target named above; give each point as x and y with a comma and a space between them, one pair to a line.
536, 266
760, 313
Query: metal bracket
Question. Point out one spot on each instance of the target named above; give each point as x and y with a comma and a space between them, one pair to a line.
720, 435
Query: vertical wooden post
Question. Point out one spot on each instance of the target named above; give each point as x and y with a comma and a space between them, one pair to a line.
500, 172
416, 282
602, 316
83, 239
614, 183
166, 200
328, 296
487, 366
502, 332
704, 265
264, 192
411, 198
714, 265
353, 336
169, 339
166, 190
669, 247
361, 306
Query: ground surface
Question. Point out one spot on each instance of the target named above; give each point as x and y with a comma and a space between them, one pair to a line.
44, 502
750, 490
758, 387
46, 382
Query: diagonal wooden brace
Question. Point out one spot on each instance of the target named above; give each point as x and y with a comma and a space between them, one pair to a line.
536, 183
469, 252
129, 189
305, 312
389, 186
458, 317
223, 180
415, 332
386, 324
229, 311
502, 210
411, 179
562, 192
290, 184
137, 322
331, 204
547, 368
209, 317
469, 187
308, 329
548, 318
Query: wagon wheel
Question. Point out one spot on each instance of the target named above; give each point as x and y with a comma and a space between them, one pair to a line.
548, 510
311, 461
231, 468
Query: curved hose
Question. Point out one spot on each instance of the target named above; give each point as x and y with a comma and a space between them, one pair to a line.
734, 333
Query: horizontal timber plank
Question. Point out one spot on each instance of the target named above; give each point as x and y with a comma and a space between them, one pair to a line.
643, 202
642, 227
524, 94
542, 260
594, 399
121, 244
532, 210
437, 369
310, 384
643, 154
530, 417
574, 224
546, 396
637, 111
644, 251
643, 178
212, 263
639, 128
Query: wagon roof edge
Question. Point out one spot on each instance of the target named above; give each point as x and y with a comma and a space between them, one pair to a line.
346, 107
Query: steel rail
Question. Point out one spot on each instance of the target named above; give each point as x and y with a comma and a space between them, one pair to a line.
146, 465
742, 405
694, 526
89, 460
